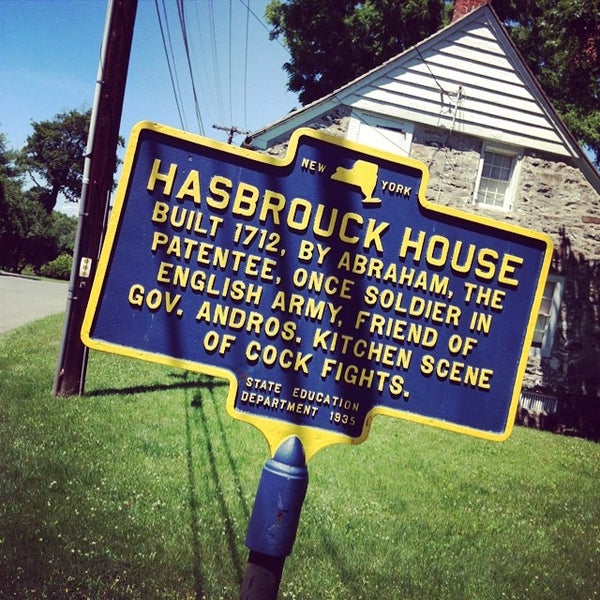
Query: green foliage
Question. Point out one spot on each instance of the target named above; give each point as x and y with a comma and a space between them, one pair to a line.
560, 42
333, 42
53, 156
144, 487
10, 224
59, 268
25, 231
29, 235
64, 230
10, 215
8, 168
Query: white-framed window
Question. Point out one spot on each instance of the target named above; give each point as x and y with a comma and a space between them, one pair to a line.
547, 320
377, 131
497, 176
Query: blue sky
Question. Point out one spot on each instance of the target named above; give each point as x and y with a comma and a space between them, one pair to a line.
50, 52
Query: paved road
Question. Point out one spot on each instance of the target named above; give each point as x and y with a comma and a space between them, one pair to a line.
23, 300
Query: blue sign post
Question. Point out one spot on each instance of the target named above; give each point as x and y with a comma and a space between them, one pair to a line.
322, 286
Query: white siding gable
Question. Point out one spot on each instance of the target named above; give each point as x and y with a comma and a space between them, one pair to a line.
467, 78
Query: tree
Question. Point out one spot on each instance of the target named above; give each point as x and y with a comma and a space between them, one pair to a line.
64, 230
26, 236
8, 169
53, 156
10, 214
333, 42
560, 42
29, 235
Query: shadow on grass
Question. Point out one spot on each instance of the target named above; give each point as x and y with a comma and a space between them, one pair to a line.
194, 517
159, 387
198, 390
197, 403
195, 407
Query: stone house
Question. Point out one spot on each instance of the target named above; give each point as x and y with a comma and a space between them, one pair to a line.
464, 103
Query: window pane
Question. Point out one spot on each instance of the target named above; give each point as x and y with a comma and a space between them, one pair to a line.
492, 192
500, 165
543, 322
495, 178
540, 328
546, 306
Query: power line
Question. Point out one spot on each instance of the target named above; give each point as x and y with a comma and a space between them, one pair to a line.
435, 79
215, 55
230, 62
221, 91
262, 23
246, 66
171, 63
201, 56
189, 63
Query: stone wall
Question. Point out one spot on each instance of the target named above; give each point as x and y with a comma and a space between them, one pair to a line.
552, 196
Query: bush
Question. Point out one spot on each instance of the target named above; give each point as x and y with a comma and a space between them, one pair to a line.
59, 268
28, 271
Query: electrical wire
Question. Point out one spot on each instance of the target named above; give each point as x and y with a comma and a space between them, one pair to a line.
203, 64
229, 61
435, 79
459, 96
171, 63
186, 45
246, 54
201, 54
262, 23
215, 57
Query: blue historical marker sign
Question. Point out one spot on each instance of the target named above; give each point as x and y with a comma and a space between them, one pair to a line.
323, 286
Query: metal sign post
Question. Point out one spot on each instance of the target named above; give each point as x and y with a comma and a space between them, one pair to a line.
274, 520
323, 286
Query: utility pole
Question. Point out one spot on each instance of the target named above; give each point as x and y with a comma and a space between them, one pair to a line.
99, 169
231, 131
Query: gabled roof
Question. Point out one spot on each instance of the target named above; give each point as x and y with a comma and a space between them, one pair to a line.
468, 77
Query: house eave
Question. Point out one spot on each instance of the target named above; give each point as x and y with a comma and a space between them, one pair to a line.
559, 140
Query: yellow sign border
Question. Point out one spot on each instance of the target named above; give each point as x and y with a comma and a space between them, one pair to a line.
313, 439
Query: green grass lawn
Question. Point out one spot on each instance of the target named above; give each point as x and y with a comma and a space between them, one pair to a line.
143, 489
